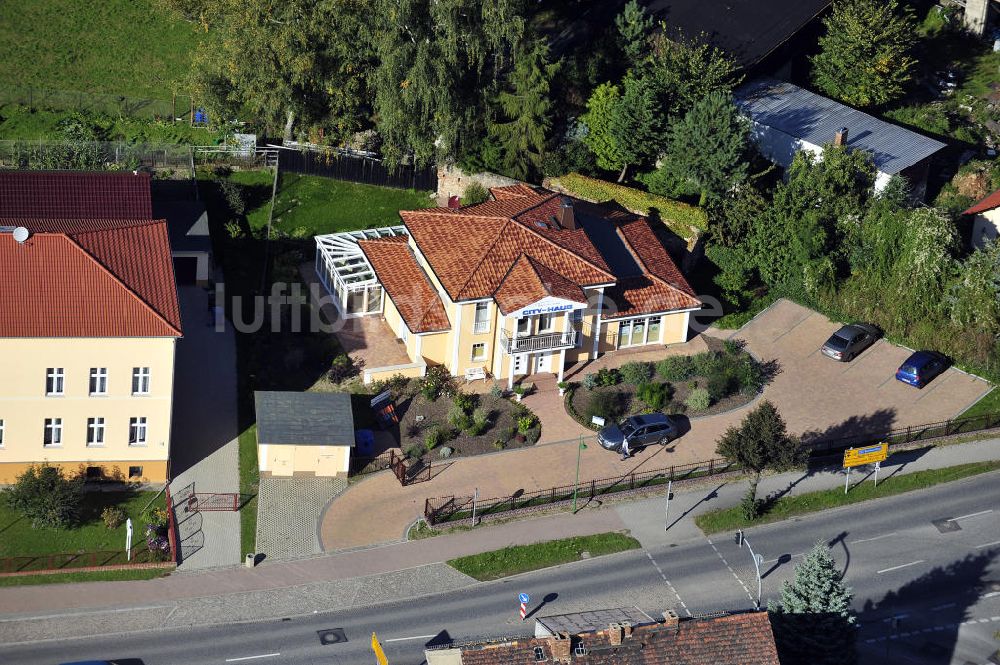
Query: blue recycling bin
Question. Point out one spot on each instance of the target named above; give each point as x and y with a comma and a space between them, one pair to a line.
364, 443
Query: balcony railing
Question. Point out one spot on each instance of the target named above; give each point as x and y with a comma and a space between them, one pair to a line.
545, 342
481, 327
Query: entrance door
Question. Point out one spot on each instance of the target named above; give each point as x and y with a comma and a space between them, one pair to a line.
543, 362
520, 363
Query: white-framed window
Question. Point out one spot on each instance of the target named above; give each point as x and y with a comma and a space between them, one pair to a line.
544, 323
55, 379
140, 380
404, 333
98, 380
523, 326
137, 431
53, 432
95, 431
479, 352
577, 315
482, 324
1, 432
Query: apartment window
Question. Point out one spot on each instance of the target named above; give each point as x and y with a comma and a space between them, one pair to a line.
539, 654
95, 431
544, 322
94, 473
577, 315
479, 352
135, 472
137, 431
54, 381
53, 432
140, 380
482, 318
523, 326
1, 433
98, 380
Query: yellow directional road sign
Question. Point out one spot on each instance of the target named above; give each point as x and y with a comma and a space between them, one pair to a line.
867, 455
379, 654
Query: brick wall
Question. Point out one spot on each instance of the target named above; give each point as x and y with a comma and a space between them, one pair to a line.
452, 181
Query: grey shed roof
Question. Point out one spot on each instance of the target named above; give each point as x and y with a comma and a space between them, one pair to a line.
305, 419
582, 622
815, 119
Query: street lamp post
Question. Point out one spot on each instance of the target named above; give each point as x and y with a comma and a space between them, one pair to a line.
757, 559
576, 485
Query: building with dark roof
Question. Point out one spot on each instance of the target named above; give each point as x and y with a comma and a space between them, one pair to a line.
730, 639
525, 283
304, 432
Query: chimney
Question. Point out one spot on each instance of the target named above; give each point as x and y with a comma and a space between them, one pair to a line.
454, 202
627, 627
567, 219
561, 647
670, 619
840, 138
615, 631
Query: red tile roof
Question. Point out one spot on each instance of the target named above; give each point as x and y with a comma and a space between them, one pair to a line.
737, 639
529, 281
87, 278
405, 282
989, 203
75, 195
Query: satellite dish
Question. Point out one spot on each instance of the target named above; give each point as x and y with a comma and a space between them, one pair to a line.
21, 234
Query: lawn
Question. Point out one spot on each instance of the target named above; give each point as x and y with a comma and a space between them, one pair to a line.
729, 519
97, 576
990, 403
20, 122
18, 538
249, 481
523, 558
125, 47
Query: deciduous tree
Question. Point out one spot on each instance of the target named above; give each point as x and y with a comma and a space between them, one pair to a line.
761, 442
46, 497
682, 71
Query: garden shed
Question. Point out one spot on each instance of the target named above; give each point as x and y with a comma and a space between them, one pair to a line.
304, 433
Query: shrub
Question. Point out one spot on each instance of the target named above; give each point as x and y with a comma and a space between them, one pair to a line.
341, 369
475, 193
750, 505
481, 419
525, 423
465, 401
233, 193
499, 444
675, 368
607, 405
704, 363
698, 400
234, 230
445, 452
113, 516
749, 375
46, 497
397, 383
732, 347
437, 382
433, 439
496, 391
635, 373
590, 381
721, 383
532, 435
654, 395
508, 433
455, 414
415, 451
608, 377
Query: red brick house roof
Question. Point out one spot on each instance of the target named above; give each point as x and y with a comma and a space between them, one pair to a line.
736, 639
403, 280
989, 203
88, 278
529, 281
75, 195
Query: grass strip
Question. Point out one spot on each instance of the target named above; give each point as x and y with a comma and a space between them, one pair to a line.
989, 404
523, 558
728, 519
96, 576
249, 482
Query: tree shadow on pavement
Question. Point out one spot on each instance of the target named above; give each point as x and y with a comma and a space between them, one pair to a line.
856, 428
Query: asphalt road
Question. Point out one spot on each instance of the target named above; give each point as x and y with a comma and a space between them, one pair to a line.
923, 568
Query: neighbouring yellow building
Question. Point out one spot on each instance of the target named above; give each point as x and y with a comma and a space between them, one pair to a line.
526, 283
89, 321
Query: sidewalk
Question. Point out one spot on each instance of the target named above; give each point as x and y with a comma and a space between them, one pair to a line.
302, 578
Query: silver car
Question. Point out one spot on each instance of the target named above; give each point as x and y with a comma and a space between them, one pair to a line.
847, 343
640, 431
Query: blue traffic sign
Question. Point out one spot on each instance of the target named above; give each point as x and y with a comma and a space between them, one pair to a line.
524, 598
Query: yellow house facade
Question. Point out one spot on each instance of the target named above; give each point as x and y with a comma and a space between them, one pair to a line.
528, 283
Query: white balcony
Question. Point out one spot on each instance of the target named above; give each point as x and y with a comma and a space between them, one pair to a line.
543, 342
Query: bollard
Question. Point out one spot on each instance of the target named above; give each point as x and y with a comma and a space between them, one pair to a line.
251, 560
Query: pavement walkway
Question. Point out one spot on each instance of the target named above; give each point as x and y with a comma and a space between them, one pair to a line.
646, 519
288, 512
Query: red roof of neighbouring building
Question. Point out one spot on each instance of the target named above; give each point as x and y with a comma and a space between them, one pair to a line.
75, 195
88, 278
403, 280
989, 203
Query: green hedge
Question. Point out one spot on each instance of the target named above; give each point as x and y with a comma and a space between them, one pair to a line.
683, 219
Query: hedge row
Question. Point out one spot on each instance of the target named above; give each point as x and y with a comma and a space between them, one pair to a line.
681, 218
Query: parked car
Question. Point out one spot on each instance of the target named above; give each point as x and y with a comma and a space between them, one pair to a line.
640, 431
847, 343
921, 367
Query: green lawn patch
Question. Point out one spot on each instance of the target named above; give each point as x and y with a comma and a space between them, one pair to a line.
123, 47
729, 519
990, 403
21, 122
97, 576
523, 558
249, 482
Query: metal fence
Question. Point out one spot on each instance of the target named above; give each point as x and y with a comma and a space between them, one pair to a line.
179, 107
353, 168
37, 155
900, 435
70, 560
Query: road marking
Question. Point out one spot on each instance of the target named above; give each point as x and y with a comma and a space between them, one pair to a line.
991, 594
716, 549
942, 607
669, 585
868, 540
995, 542
886, 570
965, 517
415, 637
263, 655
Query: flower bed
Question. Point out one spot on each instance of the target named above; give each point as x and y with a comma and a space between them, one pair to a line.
721, 379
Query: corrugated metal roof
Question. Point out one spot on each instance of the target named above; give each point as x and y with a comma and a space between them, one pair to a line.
304, 419
816, 119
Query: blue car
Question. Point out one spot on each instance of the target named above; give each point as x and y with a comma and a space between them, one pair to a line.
921, 367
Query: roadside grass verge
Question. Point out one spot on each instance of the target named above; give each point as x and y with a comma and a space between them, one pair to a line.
524, 558
96, 576
249, 486
990, 403
729, 519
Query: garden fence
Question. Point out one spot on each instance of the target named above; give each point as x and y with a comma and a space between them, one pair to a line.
900, 435
178, 108
68, 561
93, 155
355, 168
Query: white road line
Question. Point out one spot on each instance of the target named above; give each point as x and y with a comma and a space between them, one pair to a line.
886, 570
749, 595
868, 540
942, 607
965, 517
995, 542
669, 585
415, 637
991, 594
263, 655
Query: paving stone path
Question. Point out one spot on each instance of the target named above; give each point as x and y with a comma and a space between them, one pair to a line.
288, 510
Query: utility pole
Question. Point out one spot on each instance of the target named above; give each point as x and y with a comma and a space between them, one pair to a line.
757, 560
666, 516
576, 485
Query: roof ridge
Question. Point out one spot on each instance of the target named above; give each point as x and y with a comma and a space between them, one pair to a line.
553, 243
619, 231
482, 257
120, 282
